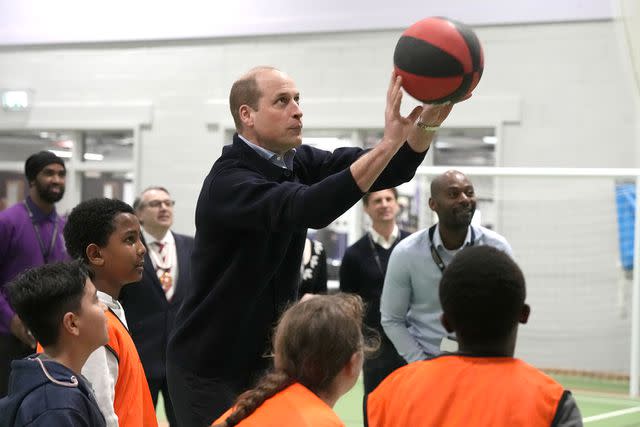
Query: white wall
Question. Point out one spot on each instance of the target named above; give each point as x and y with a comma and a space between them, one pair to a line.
560, 95
629, 11
563, 88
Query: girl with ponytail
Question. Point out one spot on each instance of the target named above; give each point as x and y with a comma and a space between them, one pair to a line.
318, 349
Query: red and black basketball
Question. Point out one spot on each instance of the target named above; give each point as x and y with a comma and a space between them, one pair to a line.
439, 60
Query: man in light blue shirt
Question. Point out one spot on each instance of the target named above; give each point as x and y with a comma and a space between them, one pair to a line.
410, 308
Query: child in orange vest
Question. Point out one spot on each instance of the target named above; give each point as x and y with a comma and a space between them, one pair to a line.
105, 233
318, 348
482, 293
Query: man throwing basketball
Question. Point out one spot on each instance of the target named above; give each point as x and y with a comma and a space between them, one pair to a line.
251, 219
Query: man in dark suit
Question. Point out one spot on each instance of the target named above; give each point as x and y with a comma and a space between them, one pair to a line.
150, 306
362, 272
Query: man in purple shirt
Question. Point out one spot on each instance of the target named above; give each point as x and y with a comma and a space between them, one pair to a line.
30, 236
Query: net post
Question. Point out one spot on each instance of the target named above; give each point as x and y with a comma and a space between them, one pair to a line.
634, 370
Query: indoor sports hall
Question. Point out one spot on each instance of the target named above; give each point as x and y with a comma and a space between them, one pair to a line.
135, 94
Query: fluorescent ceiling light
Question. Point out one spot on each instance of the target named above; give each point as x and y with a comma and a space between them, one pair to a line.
490, 140
62, 154
93, 156
443, 145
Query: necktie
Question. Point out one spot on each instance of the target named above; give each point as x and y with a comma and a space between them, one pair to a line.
163, 268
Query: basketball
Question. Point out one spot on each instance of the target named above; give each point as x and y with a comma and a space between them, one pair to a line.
439, 60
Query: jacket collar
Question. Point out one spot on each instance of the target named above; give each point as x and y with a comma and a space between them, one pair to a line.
258, 163
38, 214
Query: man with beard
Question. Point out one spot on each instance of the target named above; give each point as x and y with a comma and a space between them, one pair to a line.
30, 236
410, 309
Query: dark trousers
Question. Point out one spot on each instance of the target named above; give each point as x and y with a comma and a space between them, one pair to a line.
382, 364
156, 385
198, 401
11, 348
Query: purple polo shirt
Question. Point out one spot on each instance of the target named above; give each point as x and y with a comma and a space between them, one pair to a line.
20, 249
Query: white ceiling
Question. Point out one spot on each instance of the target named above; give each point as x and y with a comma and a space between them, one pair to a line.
82, 21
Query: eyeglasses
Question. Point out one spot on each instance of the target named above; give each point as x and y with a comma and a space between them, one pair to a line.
158, 203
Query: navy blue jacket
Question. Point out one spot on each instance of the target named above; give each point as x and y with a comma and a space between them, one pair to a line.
251, 221
360, 274
35, 400
150, 316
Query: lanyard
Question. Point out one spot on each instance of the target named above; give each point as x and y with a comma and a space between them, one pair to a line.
434, 252
375, 254
36, 229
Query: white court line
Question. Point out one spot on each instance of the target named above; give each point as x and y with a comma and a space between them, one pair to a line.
625, 402
611, 414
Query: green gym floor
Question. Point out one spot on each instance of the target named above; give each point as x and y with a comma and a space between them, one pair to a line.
602, 403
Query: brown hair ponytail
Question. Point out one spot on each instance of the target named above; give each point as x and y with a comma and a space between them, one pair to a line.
249, 401
313, 342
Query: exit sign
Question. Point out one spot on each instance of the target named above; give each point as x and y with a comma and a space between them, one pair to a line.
16, 100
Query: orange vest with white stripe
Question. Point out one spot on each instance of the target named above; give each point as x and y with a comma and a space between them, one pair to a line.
295, 406
132, 402
463, 391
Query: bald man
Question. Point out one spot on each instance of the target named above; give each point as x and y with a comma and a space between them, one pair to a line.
410, 309
251, 219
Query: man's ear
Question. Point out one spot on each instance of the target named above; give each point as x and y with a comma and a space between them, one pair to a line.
446, 323
246, 115
524, 314
70, 323
94, 256
432, 204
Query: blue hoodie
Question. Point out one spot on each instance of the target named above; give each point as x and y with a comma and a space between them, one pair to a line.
46, 393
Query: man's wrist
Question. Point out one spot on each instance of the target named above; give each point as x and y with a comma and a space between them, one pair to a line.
427, 127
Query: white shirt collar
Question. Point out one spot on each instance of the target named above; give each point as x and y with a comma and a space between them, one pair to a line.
437, 240
148, 238
379, 239
114, 305
284, 161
